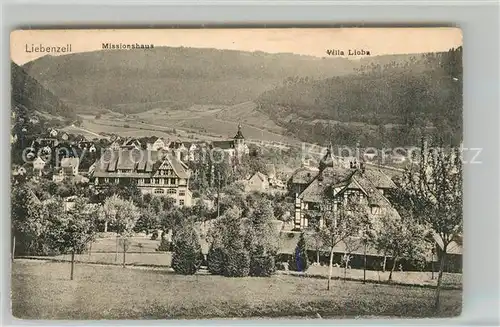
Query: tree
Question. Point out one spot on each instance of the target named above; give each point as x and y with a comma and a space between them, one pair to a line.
148, 221
186, 257
27, 226
340, 223
432, 193
77, 230
401, 238
123, 215
300, 261
261, 238
230, 236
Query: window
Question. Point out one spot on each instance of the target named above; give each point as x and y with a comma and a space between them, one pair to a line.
157, 181
172, 181
172, 191
181, 202
159, 191
182, 193
147, 180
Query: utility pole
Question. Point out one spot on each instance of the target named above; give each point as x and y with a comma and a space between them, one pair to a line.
364, 261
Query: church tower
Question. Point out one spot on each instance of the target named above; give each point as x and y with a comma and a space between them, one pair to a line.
239, 142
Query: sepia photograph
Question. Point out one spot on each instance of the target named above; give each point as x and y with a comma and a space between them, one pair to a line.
237, 173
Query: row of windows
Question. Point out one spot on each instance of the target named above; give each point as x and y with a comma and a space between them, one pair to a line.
171, 181
169, 191
158, 181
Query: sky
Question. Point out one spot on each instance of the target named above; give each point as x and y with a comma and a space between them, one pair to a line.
304, 41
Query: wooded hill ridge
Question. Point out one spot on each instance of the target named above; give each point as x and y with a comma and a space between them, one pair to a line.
31, 95
392, 103
178, 77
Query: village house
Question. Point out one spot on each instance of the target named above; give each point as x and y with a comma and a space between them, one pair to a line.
88, 146
258, 182
131, 144
115, 145
70, 166
179, 150
370, 185
44, 142
38, 165
152, 171
64, 136
159, 144
53, 132
34, 120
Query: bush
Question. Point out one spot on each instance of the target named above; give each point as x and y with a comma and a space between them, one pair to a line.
216, 261
186, 258
164, 246
262, 266
237, 264
154, 236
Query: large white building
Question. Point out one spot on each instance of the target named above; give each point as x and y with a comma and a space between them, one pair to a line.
154, 172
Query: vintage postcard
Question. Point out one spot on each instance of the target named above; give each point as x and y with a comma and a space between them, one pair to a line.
236, 173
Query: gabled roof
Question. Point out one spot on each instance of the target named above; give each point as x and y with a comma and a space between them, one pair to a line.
379, 178
179, 168
260, 176
224, 145
303, 175
374, 196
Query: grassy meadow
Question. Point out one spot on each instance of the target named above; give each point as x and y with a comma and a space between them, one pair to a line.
42, 290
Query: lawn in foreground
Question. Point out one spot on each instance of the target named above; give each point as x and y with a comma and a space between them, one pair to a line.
42, 290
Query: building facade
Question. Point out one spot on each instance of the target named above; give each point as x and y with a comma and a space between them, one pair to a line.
369, 185
154, 172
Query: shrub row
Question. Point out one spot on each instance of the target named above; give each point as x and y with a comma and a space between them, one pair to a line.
239, 263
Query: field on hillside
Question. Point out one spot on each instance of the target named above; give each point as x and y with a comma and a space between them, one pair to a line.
199, 122
42, 290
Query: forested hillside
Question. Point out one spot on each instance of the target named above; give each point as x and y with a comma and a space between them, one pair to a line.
390, 104
139, 80
30, 94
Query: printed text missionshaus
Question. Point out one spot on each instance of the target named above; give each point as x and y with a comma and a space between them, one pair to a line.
122, 46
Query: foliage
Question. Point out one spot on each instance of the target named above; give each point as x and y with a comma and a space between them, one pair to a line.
186, 257
262, 265
35, 224
238, 263
80, 228
397, 101
401, 238
263, 237
216, 260
122, 214
300, 260
148, 221
432, 194
28, 92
